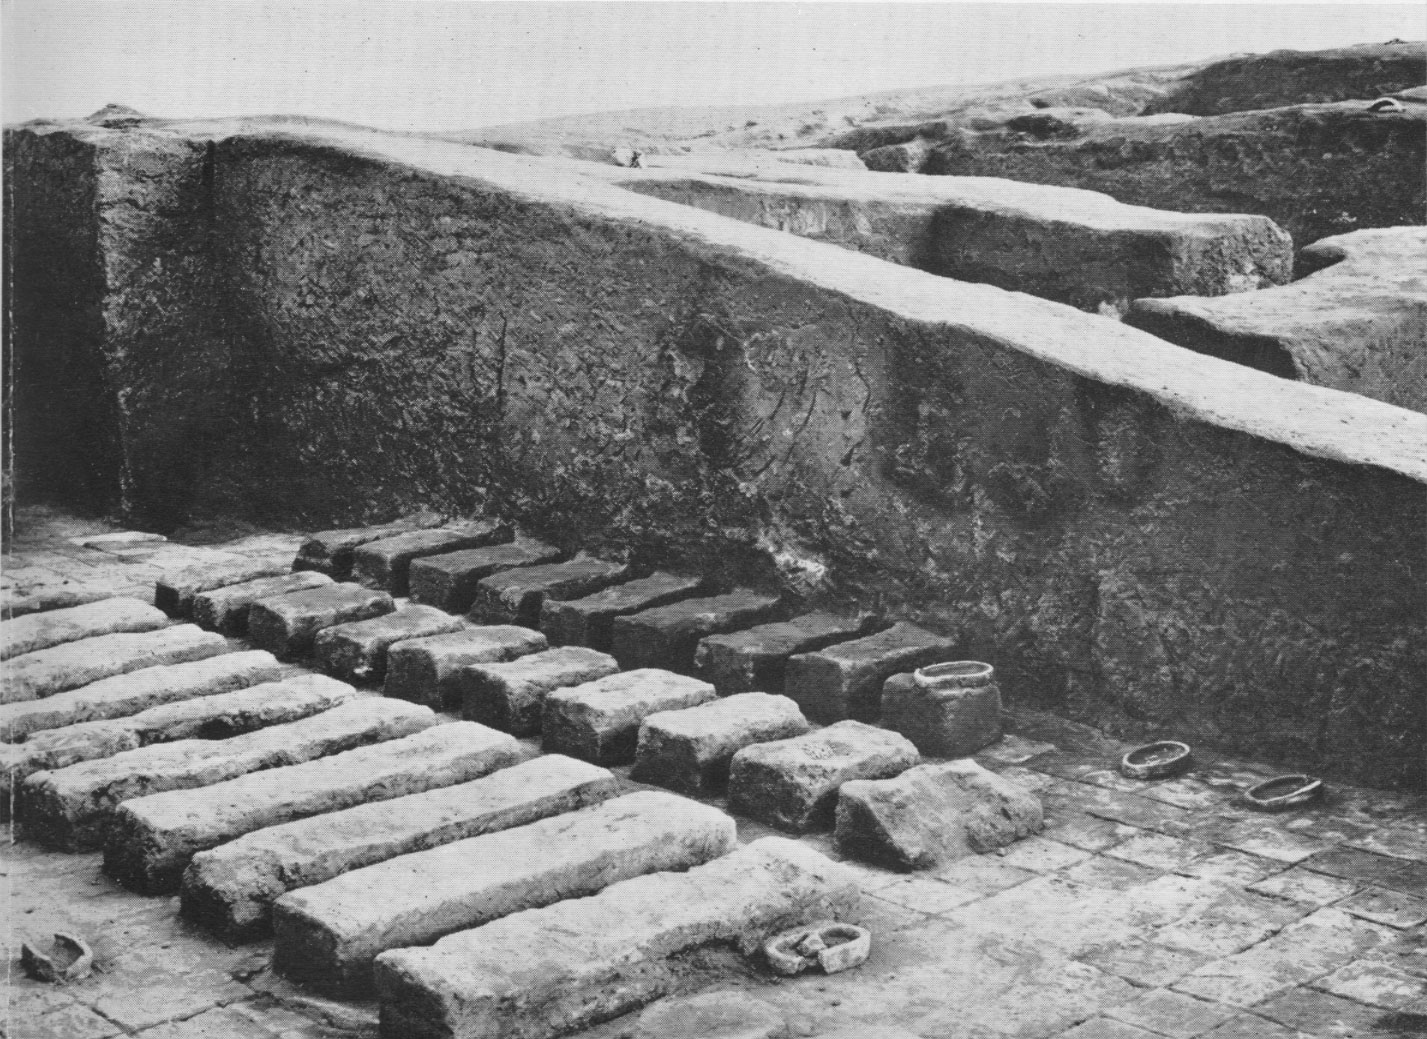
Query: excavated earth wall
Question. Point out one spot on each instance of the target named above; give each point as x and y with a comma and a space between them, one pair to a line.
1145, 538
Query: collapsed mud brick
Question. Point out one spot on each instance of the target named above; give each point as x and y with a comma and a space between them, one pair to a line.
944, 723
510, 696
173, 593
754, 660
666, 636
153, 838
845, 680
516, 596
386, 564
449, 580
231, 888
357, 651
713, 1015
46, 672
331, 551
286, 626
70, 809
933, 814
138, 691
599, 721
588, 621
327, 936
793, 783
547, 972
690, 750
424, 670
225, 610
105, 617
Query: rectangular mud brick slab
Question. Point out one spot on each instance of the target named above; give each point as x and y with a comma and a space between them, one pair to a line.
792, 784
690, 750
330, 552
386, 564
510, 696
666, 636
845, 680
231, 888
46, 672
174, 592
555, 970
225, 610
327, 936
153, 838
449, 580
70, 808
423, 670
754, 660
357, 651
137, 691
516, 596
43, 600
105, 617
588, 621
599, 721
287, 625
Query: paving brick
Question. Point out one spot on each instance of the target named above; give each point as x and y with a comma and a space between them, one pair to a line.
70, 808
754, 660
1304, 886
845, 680
510, 696
716, 1015
690, 750
549, 971
1229, 923
331, 551
1143, 963
1106, 1028
58, 669
231, 888
1318, 1014
1250, 1026
327, 935
666, 636
590, 621
943, 723
449, 580
357, 651
288, 625
599, 721
225, 610
1365, 867
518, 596
1392, 908
1373, 983
137, 691
386, 563
793, 783
424, 670
174, 591
154, 838
43, 630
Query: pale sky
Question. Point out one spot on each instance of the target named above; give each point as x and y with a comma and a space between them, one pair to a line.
426, 65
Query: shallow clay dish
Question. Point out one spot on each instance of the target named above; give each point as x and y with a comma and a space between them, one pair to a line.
1157, 760
1283, 792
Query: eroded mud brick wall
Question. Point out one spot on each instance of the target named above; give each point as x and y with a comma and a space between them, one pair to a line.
610, 382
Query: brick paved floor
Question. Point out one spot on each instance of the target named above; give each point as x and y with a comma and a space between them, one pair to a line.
1143, 910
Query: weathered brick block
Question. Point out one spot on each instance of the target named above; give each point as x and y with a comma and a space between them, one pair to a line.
588, 621
845, 680
690, 750
174, 592
599, 721
331, 551
386, 564
424, 670
287, 625
945, 723
225, 610
106, 617
449, 580
231, 888
46, 672
357, 651
793, 784
516, 596
666, 636
510, 696
755, 659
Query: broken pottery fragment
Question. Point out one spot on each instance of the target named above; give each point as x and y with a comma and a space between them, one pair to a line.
68, 959
831, 945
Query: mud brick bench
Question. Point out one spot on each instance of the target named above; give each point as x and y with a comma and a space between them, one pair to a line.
357, 651
546, 972
331, 552
845, 680
690, 750
424, 670
174, 592
511, 696
386, 564
105, 617
599, 721
589, 621
231, 888
755, 659
288, 625
516, 596
70, 665
449, 580
225, 610
666, 636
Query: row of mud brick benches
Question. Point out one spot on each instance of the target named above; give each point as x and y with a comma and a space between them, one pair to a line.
479, 890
